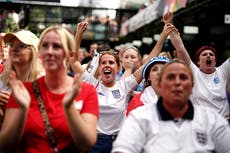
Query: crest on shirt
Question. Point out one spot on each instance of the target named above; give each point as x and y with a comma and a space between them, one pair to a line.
201, 137
216, 80
116, 94
78, 104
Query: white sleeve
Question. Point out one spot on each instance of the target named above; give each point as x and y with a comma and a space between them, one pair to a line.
94, 63
225, 68
87, 77
131, 137
221, 135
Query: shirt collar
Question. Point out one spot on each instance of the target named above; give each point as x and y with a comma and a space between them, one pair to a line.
165, 115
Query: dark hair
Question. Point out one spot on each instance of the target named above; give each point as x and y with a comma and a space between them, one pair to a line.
103, 47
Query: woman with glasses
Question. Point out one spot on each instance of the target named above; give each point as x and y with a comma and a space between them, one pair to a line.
56, 113
22, 59
113, 95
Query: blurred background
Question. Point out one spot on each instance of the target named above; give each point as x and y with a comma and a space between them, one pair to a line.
122, 22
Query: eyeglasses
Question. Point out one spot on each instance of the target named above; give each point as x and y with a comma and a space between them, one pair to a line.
17, 46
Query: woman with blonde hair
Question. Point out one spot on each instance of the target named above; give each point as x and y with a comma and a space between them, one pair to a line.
23, 56
56, 111
22, 59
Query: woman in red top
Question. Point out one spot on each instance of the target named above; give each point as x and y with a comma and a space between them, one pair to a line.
71, 105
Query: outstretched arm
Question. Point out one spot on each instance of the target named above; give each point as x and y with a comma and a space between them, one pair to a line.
15, 118
176, 40
74, 62
168, 28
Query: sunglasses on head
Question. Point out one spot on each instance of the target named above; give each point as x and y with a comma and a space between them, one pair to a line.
109, 52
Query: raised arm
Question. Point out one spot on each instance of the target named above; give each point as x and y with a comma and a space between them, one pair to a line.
160, 43
74, 62
168, 28
176, 40
15, 118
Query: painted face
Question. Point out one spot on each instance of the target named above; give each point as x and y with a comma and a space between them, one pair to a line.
108, 69
52, 52
19, 53
154, 75
131, 55
207, 60
176, 84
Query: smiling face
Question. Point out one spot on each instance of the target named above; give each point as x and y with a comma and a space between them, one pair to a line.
207, 61
108, 69
51, 51
175, 84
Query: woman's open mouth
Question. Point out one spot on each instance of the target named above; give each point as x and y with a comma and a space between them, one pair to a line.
208, 62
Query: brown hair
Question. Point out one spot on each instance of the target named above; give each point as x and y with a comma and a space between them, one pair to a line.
201, 49
114, 54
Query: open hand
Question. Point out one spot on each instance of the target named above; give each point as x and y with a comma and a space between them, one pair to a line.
19, 91
82, 26
72, 93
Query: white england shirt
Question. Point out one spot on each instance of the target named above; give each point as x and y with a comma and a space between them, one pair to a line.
149, 95
113, 102
210, 89
145, 132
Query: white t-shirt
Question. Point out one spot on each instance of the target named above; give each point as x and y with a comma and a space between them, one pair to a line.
149, 95
210, 89
113, 102
4, 87
144, 132
94, 63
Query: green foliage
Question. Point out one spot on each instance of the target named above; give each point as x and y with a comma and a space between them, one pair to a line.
7, 24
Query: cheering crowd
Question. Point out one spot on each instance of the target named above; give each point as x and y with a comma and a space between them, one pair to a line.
54, 99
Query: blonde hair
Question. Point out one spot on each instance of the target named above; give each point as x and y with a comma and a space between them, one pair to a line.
67, 40
2, 34
33, 72
135, 49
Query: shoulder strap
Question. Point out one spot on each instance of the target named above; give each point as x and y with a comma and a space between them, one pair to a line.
49, 131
